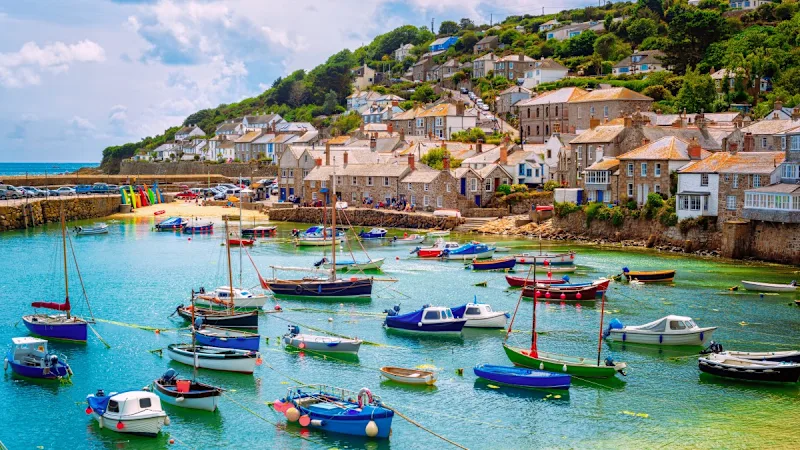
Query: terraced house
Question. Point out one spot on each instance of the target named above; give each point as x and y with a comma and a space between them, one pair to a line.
514, 67
640, 62
442, 120
604, 105
546, 114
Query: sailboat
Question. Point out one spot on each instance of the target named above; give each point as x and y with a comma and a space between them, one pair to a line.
318, 287
578, 366
65, 326
221, 318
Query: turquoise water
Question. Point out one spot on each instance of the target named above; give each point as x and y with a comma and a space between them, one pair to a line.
135, 276
40, 168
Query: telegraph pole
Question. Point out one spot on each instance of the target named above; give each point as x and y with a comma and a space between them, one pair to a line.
432, 19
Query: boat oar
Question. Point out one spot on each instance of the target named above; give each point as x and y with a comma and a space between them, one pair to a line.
98, 336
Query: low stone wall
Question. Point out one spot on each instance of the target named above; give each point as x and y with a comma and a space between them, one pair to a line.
651, 231
19, 214
768, 241
524, 207
163, 180
367, 217
485, 212
130, 167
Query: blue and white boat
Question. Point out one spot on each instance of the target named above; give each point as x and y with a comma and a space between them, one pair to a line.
132, 412
320, 231
227, 338
480, 315
375, 233
337, 410
349, 265
198, 226
98, 228
171, 224
522, 377
29, 357
553, 259
429, 319
468, 252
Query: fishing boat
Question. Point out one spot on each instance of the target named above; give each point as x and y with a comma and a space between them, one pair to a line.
436, 250
428, 319
726, 366
769, 287
408, 239
220, 318
132, 412
655, 276
409, 376
221, 296
227, 338
171, 224
98, 228
553, 259
318, 236
498, 249
65, 327
330, 287
523, 281
558, 292
468, 252
260, 231
669, 330
522, 377
349, 265
337, 410
323, 344
779, 356
235, 242
375, 233
214, 358
494, 264
194, 226
480, 315
29, 357
438, 233
189, 394
315, 241
601, 285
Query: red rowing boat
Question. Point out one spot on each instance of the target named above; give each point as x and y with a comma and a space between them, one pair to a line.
521, 281
159, 212
555, 292
244, 242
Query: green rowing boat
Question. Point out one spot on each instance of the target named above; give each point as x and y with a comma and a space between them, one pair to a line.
579, 367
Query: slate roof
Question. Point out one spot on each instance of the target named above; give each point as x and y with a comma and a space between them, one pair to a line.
605, 164
649, 57
741, 162
771, 126
665, 149
422, 174
601, 133
550, 64
562, 95
250, 136
488, 40
612, 94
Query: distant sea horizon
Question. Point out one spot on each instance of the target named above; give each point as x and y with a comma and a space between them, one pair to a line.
41, 168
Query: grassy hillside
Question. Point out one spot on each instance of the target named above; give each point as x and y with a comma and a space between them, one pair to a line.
753, 45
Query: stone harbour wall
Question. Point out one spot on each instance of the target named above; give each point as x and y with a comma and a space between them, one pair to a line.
130, 167
20, 214
767, 241
366, 217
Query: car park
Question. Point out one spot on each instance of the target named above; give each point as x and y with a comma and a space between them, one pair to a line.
83, 189
31, 191
485, 107
65, 190
8, 192
100, 188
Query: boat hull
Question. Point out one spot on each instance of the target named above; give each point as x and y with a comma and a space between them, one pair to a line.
448, 327
498, 320
322, 289
254, 302
239, 363
39, 326
698, 338
786, 356
206, 400
772, 373
579, 367
499, 264
523, 281
408, 240
221, 319
322, 344
557, 293
61, 370
468, 256
553, 259
374, 264
191, 229
418, 377
429, 253
237, 342
768, 287
149, 426
661, 276
527, 378
315, 242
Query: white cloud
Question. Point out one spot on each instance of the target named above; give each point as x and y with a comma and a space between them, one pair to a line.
23, 68
118, 115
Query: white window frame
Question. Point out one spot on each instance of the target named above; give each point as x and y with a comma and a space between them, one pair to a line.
421, 123
426, 201
386, 181
354, 182
473, 185
730, 202
488, 185
447, 187
630, 169
426, 187
735, 181
630, 190
703, 179
369, 181
409, 186
657, 170
438, 122
643, 170
439, 201
756, 180
763, 142
657, 188
413, 199
313, 183
605, 111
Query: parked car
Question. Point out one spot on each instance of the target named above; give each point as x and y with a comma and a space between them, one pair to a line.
186, 195
100, 188
464, 90
485, 107
113, 188
274, 190
83, 189
65, 190
8, 192
33, 191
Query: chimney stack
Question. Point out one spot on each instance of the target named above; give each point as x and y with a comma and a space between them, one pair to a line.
390, 128
503, 155
733, 148
593, 123
778, 105
344, 158
402, 133
411, 162
795, 113
749, 142
460, 108
373, 143
479, 146
318, 161
628, 122
328, 153
694, 149
446, 163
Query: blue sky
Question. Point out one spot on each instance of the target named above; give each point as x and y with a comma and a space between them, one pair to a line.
77, 76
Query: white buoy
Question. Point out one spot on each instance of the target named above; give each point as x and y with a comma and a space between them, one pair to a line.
371, 429
564, 368
541, 366
166, 420
180, 399
330, 319
5, 364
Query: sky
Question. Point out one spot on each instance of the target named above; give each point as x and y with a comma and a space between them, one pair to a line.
77, 76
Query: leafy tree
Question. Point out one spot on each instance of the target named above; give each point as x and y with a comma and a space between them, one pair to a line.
466, 24
459, 76
466, 42
346, 123
504, 189
609, 19
471, 135
653, 5
509, 36
691, 31
330, 103
697, 93
657, 92
653, 43
641, 29
580, 45
448, 27
434, 159
424, 94
607, 47
386, 44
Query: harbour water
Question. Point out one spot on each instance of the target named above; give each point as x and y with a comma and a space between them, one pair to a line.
40, 168
134, 276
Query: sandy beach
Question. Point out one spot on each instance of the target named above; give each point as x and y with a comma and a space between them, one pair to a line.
190, 209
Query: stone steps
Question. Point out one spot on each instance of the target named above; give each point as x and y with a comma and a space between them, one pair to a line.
473, 223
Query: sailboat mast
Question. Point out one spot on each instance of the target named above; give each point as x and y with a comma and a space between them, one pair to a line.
600, 336
194, 344
535, 294
333, 224
230, 272
241, 235
64, 248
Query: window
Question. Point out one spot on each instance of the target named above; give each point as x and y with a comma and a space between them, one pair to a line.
704, 179
537, 116
537, 130
369, 181
488, 185
605, 111
354, 182
783, 142
410, 123
474, 185
113, 406
528, 130
547, 111
504, 181
591, 111
730, 202
529, 116
657, 170
305, 173
323, 184
735, 180
511, 65
579, 152
727, 177
413, 199
447, 187
339, 180
439, 201
795, 147
420, 123
630, 170
694, 203
556, 110
313, 184
630, 190
426, 201
145, 403
756, 181
521, 170
657, 188
549, 153
283, 173
763, 142
291, 173
432, 315
683, 204
409, 186
426, 187
644, 169
386, 181
439, 121
597, 177
314, 196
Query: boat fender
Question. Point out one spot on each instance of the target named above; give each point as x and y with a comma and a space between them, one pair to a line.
624, 337
298, 289
701, 336
5, 364
364, 397
564, 368
541, 366
317, 423
101, 421
660, 338
166, 420
292, 414
419, 324
180, 399
371, 429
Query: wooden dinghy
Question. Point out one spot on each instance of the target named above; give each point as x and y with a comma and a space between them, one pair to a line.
654, 276
769, 287
409, 376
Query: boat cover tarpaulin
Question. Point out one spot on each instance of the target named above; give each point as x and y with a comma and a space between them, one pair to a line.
99, 404
52, 305
409, 318
458, 311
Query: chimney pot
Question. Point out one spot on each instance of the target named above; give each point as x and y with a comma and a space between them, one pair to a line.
411, 162
694, 149
318, 161
390, 128
479, 146
446, 163
503, 155
344, 158
778, 105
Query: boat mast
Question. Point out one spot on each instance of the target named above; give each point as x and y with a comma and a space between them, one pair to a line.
534, 351
64, 248
333, 225
230, 272
600, 336
194, 344
241, 236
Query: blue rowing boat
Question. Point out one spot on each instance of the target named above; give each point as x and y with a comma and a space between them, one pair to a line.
522, 377
171, 224
494, 264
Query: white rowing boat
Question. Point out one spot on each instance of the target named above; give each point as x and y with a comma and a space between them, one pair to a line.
769, 287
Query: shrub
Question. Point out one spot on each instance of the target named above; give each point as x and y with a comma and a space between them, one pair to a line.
617, 217
519, 188
632, 205
550, 185
592, 211
504, 189
668, 218
687, 224
563, 209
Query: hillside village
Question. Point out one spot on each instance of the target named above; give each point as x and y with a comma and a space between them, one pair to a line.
491, 110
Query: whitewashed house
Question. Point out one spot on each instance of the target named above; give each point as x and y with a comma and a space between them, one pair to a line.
544, 71
187, 133
403, 52
262, 122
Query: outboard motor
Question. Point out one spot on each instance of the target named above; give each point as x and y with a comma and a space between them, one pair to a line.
713, 347
625, 270
169, 376
392, 312
294, 330
416, 250
100, 393
53, 360
295, 232
320, 262
565, 278
176, 310
198, 322
614, 324
609, 361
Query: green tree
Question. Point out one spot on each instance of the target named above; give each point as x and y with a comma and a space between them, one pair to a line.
580, 45
609, 19
466, 24
509, 36
330, 103
641, 29
606, 46
655, 6
424, 94
691, 32
448, 27
697, 93
435, 156
346, 123
466, 42
657, 92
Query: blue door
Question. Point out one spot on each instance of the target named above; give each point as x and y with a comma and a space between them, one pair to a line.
478, 200
283, 194
463, 186
600, 196
580, 197
291, 191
